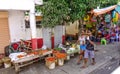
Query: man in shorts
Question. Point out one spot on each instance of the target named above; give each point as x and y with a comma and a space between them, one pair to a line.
89, 52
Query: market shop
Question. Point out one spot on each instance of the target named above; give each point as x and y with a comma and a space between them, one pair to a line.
17, 34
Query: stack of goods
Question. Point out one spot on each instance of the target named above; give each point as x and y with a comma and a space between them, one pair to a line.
72, 49
55, 51
43, 52
50, 62
17, 56
7, 62
33, 53
22, 55
61, 48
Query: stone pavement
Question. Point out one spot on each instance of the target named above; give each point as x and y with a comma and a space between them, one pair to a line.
106, 59
107, 68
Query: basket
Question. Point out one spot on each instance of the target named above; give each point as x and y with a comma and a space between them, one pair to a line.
50, 62
60, 55
7, 62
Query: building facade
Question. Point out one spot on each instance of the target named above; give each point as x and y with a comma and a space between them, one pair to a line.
12, 26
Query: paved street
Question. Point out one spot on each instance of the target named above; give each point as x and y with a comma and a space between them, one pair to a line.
106, 61
107, 68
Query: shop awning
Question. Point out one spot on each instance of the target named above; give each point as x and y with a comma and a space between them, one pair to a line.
103, 10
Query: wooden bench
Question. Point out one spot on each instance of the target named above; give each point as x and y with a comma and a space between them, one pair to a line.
29, 60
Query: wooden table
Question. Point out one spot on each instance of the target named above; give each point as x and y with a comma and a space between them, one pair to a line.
29, 60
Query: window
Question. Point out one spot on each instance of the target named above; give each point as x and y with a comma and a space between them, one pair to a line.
38, 24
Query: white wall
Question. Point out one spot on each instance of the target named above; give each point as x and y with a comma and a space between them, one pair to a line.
17, 26
46, 32
39, 32
58, 34
28, 34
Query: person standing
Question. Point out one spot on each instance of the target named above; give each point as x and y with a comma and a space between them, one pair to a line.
89, 52
81, 40
82, 50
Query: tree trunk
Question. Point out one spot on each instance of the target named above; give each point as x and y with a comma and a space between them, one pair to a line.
80, 26
96, 32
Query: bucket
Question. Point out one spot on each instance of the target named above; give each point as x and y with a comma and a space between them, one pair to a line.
60, 62
50, 62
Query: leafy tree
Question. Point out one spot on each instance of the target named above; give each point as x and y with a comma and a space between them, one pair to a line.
106, 3
80, 8
54, 12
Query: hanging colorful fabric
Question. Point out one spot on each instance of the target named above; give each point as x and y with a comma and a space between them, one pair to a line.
113, 13
118, 16
118, 9
107, 18
88, 25
93, 19
115, 19
87, 18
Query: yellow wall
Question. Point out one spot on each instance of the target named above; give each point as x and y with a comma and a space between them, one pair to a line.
72, 29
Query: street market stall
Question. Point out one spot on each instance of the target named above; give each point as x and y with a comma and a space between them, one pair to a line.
22, 59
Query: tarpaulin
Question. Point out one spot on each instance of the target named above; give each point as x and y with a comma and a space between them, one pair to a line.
103, 10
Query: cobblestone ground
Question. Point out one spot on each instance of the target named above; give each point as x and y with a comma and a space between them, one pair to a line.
107, 59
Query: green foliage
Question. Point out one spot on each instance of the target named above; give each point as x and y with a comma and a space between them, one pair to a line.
77, 9
106, 3
54, 12
37, 8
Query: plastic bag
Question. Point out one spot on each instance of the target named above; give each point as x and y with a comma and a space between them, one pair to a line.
44, 47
